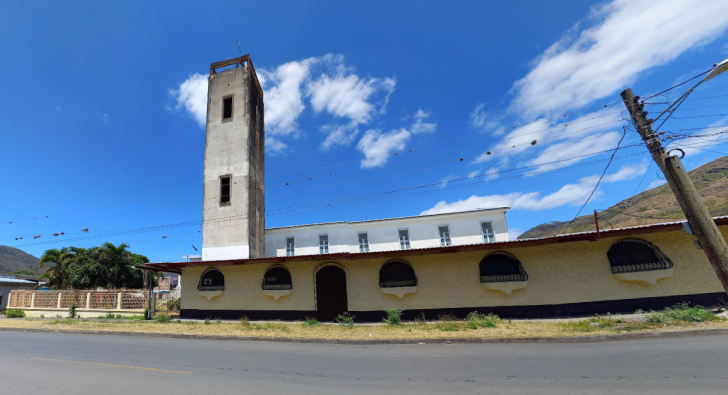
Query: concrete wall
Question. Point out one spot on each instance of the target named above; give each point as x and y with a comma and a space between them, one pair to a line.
559, 275
232, 147
5, 289
384, 234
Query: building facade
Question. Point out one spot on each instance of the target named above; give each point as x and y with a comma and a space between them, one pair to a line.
391, 234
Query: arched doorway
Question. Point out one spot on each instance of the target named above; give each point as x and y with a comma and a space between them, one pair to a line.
331, 299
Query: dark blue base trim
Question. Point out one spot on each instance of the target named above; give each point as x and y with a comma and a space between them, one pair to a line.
532, 311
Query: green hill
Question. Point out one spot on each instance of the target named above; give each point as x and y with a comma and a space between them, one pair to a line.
15, 260
652, 206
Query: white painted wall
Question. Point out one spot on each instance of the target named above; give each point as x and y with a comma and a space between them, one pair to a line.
384, 234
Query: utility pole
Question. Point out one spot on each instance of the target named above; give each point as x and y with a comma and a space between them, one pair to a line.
699, 218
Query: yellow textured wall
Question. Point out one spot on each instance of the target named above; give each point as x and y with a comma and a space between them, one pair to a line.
558, 273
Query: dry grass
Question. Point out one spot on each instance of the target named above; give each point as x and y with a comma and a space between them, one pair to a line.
475, 327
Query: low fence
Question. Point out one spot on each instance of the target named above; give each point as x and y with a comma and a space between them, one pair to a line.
88, 303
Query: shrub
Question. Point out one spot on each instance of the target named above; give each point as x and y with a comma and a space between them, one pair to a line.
174, 304
162, 319
394, 316
477, 320
310, 322
207, 321
72, 310
346, 320
14, 313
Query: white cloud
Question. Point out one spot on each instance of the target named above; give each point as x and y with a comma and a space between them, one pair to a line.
571, 149
656, 183
513, 233
283, 98
338, 135
569, 194
336, 90
377, 147
704, 139
345, 95
420, 126
478, 116
629, 37
473, 173
192, 96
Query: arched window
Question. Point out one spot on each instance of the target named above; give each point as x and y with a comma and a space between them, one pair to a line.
636, 255
277, 277
501, 266
397, 273
211, 280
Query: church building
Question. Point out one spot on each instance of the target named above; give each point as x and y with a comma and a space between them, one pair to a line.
453, 263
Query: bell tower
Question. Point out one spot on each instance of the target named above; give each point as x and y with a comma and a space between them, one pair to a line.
234, 178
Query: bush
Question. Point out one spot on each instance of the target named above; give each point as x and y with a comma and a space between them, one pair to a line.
207, 321
174, 304
162, 319
346, 320
72, 310
394, 316
477, 320
14, 313
310, 322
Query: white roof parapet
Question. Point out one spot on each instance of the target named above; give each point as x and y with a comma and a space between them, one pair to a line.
391, 219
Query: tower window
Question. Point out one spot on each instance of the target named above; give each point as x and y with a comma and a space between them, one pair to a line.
444, 236
227, 107
225, 189
363, 242
404, 241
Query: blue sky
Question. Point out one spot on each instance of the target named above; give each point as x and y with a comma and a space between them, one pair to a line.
103, 109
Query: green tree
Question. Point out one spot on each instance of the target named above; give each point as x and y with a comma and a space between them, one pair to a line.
116, 258
58, 273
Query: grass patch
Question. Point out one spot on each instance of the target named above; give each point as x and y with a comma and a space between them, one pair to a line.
112, 316
681, 314
346, 320
162, 319
310, 322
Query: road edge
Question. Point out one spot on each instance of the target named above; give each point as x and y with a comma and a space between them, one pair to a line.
477, 340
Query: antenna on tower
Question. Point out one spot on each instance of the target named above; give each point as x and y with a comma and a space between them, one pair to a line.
239, 50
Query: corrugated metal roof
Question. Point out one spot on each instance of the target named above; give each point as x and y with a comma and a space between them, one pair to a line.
15, 281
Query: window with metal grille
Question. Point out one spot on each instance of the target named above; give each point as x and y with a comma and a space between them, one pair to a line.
277, 277
397, 273
487, 229
211, 280
636, 255
225, 189
324, 244
227, 108
290, 247
444, 236
501, 266
404, 241
363, 242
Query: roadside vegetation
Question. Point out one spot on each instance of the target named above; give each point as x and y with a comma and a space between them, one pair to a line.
476, 325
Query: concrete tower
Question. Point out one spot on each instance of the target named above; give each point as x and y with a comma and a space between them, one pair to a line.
234, 192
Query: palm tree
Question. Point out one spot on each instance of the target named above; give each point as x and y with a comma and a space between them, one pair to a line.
116, 258
58, 273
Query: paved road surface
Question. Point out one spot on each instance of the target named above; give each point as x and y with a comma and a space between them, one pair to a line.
44, 363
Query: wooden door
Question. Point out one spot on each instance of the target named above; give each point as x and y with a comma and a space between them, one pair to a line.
331, 299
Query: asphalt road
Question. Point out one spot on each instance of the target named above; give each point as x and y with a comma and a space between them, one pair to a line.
45, 363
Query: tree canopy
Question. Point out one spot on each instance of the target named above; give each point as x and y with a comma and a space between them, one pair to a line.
107, 266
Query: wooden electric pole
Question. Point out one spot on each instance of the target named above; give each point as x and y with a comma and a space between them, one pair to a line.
701, 222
